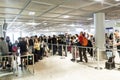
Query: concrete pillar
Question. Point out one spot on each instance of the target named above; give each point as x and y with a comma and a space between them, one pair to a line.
99, 19
1, 31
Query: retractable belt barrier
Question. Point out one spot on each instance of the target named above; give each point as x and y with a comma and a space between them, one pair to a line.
63, 48
95, 56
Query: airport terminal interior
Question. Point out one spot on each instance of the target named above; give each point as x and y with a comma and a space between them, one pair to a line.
59, 39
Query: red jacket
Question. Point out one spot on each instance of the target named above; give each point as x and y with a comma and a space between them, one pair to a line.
80, 39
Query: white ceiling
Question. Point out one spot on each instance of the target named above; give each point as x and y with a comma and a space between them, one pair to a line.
50, 13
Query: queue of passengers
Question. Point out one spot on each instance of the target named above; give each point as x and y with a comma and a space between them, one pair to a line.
41, 46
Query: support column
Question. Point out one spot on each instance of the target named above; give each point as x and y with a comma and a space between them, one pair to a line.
99, 23
1, 31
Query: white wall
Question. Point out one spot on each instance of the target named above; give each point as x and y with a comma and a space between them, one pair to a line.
15, 35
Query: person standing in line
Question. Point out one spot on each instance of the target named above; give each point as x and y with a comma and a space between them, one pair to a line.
60, 43
65, 43
54, 44
80, 40
3, 47
3, 51
49, 42
117, 44
37, 48
23, 46
23, 50
74, 52
42, 48
82, 50
90, 50
9, 43
31, 43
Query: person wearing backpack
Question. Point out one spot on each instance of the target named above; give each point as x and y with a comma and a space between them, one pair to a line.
83, 41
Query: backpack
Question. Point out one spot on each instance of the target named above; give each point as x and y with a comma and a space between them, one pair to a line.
14, 48
85, 41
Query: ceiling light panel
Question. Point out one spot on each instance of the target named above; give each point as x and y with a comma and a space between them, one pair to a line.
117, 0
89, 18
26, 13
12, 3
66, 16
31, 13
99, 0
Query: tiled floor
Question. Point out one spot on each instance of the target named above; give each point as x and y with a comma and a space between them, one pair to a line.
55, 68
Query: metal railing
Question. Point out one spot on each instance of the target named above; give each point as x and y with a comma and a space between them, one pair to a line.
14, 62
96, 52
64, 49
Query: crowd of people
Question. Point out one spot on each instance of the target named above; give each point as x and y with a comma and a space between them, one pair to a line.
79, 45
40, 46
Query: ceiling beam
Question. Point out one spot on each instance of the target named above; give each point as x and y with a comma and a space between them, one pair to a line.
76, 9
115, 5
54, 6
26, 4
38, 2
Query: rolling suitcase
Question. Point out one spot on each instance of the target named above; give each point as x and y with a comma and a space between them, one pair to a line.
110, 64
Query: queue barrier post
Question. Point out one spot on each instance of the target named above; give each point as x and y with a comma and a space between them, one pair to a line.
62, 57
98, 60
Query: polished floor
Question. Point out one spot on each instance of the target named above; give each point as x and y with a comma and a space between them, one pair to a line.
61, 68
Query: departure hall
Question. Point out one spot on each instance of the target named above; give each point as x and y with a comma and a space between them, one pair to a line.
59, 39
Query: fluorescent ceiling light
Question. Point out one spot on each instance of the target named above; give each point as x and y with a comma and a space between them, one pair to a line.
107, 20
34, 24
45, 23
72, 25
31, 13
99, 0
63, 24
66, 16
117, 0
89, 18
